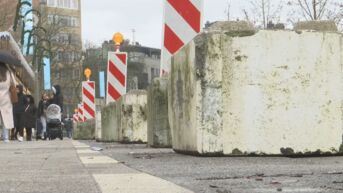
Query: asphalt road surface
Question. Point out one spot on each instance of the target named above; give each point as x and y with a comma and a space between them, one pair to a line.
232, 174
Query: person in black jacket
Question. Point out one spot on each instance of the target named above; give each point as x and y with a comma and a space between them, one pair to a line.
18, 111
29, 116
57, 98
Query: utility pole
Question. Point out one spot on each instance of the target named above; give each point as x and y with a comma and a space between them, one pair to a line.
133, 37
228, 9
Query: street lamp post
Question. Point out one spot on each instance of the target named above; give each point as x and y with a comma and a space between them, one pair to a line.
41, 46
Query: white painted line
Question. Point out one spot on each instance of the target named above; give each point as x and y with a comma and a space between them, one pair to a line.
86, 151
97, 160
79, 145
136, 183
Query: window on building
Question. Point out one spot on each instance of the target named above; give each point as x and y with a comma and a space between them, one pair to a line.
52, 3
63, 75
76, 73
57, 74
50, 19
152, 72
43, 2
63, 20
62, 38
68, 56
66, 4
155, 72
65, 38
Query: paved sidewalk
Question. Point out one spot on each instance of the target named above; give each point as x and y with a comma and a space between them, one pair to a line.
71, 166
43, 166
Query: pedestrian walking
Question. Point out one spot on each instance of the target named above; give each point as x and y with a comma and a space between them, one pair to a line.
6, 108
42, 106
57, 98
68, 125
18, 112
29, 117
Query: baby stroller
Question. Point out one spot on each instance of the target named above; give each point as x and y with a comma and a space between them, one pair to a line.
54, 124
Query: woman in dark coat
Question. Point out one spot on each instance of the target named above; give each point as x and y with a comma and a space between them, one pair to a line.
18, 111
29, 117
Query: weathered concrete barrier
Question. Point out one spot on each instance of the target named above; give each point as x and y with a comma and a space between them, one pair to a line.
110, 122
85, 130
98, 126
316, 25
269, 93
159, 134
133, 124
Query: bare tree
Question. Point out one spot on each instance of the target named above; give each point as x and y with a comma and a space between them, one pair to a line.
66, 54
318, 10
261, 12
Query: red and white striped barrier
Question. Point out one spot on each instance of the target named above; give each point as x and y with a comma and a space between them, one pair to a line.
116, 76
75, 118
182, 22
88, 99
80, 112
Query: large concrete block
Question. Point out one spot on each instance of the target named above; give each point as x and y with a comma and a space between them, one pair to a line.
275, 92
85, 130
133, 124
234, 28
317, 26
98, 126
159, 134
110, 122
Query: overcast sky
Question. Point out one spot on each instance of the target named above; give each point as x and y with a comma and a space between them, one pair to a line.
102, 18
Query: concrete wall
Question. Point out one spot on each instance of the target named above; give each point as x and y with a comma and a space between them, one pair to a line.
159, 134
133, 124
98, 126
84, 130
125, 120
110, 122
273, 92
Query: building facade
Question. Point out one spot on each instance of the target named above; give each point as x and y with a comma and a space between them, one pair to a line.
62, 20
143, 64
7, 14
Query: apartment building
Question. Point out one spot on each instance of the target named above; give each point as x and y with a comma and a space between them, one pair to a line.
62, 19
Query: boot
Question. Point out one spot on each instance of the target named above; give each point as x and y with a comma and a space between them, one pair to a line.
44, 136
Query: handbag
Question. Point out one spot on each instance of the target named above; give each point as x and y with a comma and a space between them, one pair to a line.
13, 90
